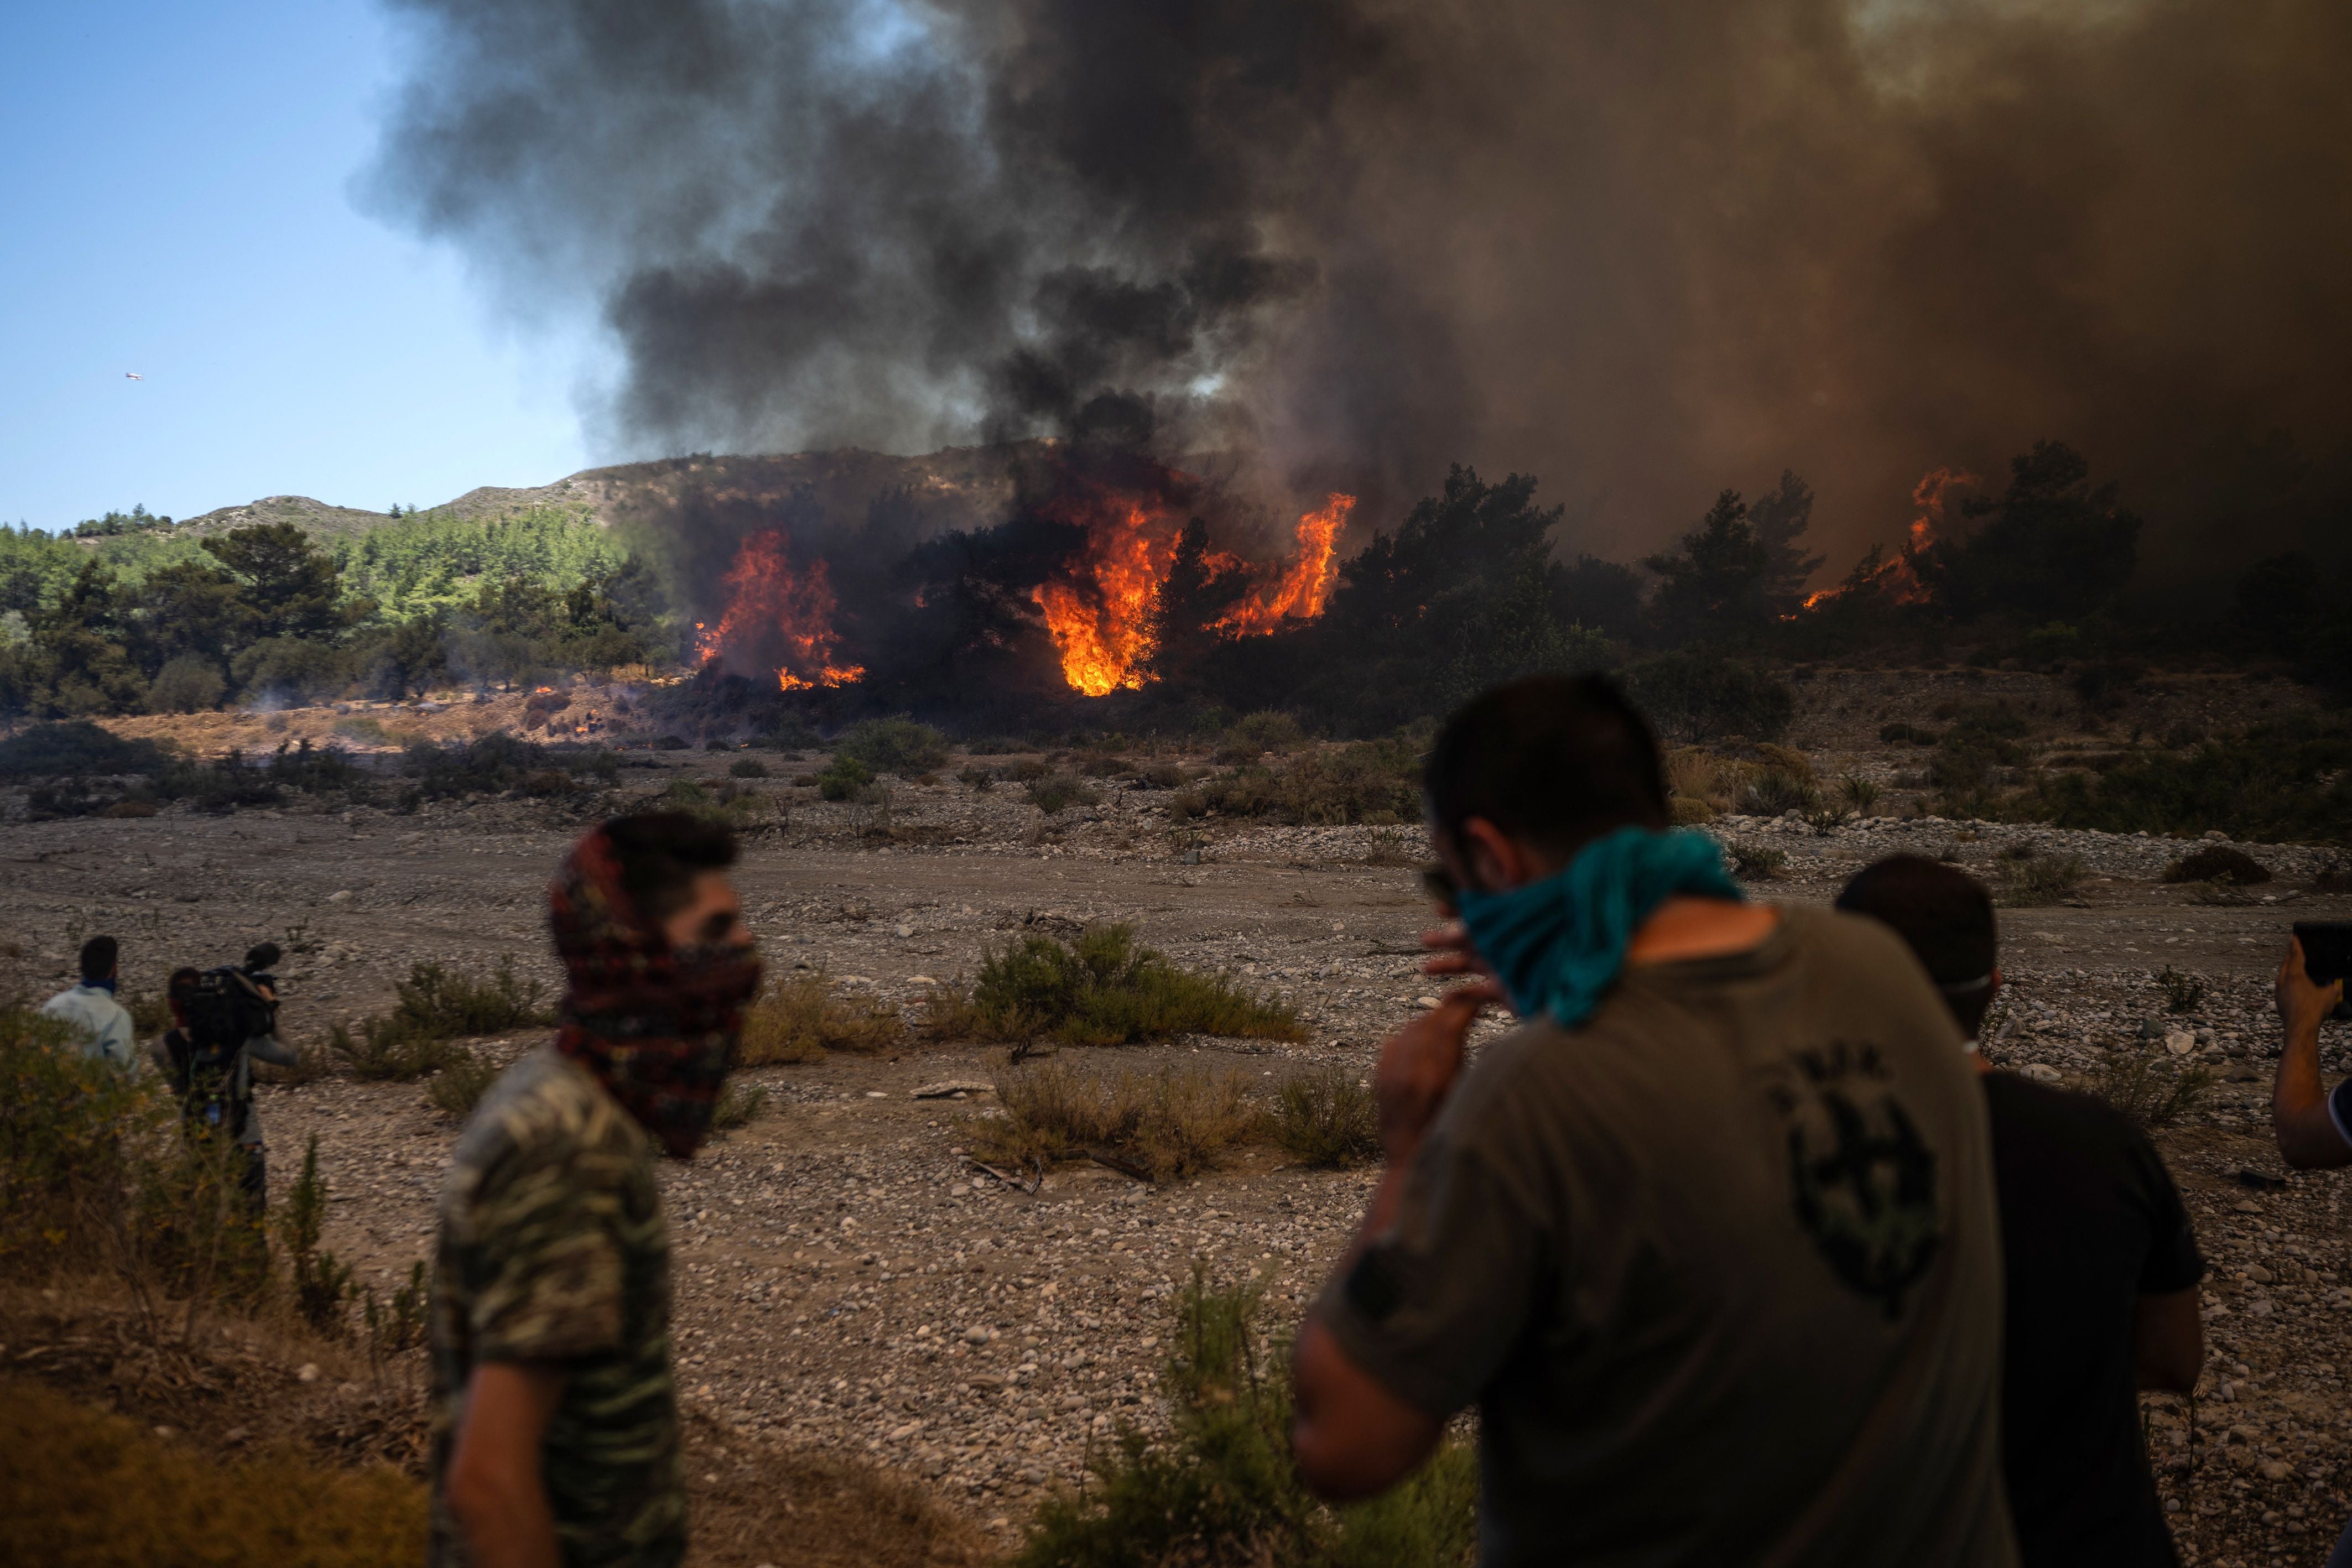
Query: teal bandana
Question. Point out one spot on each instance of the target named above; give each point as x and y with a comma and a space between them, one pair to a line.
1557, 944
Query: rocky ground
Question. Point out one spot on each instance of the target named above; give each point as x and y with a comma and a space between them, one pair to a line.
849, 1282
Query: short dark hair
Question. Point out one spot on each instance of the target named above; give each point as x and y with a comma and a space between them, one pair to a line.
1558, 760
262, 954
99, 956
661, 853
1945, 915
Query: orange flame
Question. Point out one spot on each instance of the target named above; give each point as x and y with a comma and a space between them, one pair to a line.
1899, 579
1101, 623
1305, 584
778, 617
1100, 615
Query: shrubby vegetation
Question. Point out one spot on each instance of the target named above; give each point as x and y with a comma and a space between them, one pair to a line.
1104, 989
1221, 1488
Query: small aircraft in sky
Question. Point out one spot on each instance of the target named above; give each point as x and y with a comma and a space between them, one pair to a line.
132, 376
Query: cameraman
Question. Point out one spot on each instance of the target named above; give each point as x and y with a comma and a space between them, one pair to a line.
208, 1057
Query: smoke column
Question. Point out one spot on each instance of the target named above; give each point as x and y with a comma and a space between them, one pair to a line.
1640, 250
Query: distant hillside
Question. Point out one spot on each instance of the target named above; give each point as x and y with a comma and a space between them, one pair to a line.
962, 486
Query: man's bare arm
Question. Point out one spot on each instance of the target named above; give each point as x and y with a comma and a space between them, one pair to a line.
1351, 1437
2168, 1341
2307, 1138
495, 1488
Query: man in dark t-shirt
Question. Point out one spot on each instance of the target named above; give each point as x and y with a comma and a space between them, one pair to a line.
1709, 1241
2102, 1264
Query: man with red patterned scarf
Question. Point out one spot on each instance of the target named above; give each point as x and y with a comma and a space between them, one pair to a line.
555, 1434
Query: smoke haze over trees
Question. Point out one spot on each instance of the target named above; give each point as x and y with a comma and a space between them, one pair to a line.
1640, 250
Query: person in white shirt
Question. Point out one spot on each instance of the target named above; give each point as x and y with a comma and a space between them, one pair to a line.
91, 1006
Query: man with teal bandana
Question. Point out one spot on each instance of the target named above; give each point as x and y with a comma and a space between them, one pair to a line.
1709, 1239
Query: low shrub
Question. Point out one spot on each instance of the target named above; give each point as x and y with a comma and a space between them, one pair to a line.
1220, 1487
385, 1052
2182, 993
1173, 1123
1326, 1118
64, 1155
2151, 1092
1375, 781
70, 1467
897, 746
1755, 862
435, 1001
739, 1103
2271, 784
799, 1019
1026, 769
2218, 862
842, 779
1161, 776
1774, 794
981, 779
2042, 879
321, 1282
434, 1007
1908, 735
1056, 793
1254, 735
747, 768
1861, 792
1107, 988
464, 1078
1694, 697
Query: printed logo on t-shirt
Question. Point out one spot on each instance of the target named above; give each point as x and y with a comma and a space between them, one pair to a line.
1865, 1179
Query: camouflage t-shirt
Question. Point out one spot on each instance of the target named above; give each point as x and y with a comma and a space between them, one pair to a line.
553, 1249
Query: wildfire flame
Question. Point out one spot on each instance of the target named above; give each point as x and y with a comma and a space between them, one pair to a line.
778, 617
1100, 612
1899, 579
1305, 584
1101, 621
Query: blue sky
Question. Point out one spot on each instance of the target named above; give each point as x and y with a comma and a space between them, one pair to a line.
177, 199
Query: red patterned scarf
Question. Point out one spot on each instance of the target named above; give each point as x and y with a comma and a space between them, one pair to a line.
656, 1025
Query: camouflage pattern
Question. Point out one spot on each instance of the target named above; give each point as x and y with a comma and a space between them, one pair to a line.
553, 1249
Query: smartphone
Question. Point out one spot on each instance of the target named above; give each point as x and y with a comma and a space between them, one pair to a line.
2326, 948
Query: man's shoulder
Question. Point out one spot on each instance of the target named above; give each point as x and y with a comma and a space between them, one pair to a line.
545, 1109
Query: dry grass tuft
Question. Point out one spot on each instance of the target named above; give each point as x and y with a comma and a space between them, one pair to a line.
2045, 878
1327, 1117
800, 1019
1176, 1122
2151, 1092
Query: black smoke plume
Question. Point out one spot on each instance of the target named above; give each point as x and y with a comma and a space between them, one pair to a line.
1644, 250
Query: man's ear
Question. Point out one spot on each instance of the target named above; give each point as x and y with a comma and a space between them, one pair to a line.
1493, 860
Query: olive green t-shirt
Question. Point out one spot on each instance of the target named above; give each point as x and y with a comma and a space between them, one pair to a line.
1721, 1270
554, 1250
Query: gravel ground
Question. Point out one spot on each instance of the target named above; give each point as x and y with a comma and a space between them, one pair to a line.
849, 1282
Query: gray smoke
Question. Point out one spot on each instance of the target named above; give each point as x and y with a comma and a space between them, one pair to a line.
1643, 251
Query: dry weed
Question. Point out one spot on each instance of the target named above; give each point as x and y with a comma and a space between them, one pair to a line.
800, 1019
1176, 1122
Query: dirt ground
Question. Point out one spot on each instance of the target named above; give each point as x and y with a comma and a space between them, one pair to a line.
850, 1286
